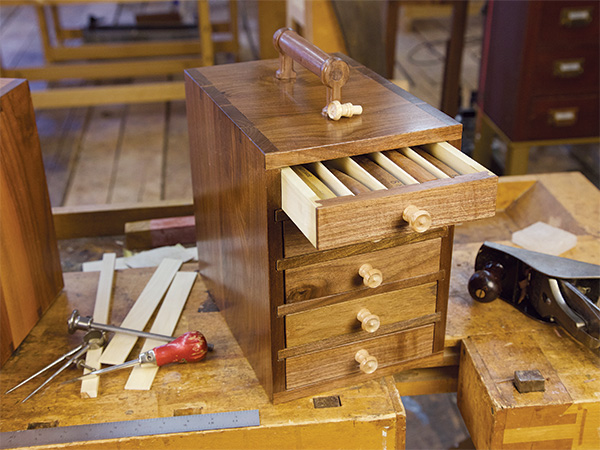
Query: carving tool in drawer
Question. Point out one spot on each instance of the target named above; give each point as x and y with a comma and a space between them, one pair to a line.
321, 238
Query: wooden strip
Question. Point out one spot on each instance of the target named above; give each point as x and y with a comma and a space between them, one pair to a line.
299, 202
108, 220
333, 183
317, 186
424, 163
456, 159
153, 233
355, 186
121, 344
415, 170
141, 377
392, 168
352, 169
108, 70
436, 162
89, 386
104, 95
382, 175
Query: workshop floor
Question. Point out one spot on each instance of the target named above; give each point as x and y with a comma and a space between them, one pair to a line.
136, 153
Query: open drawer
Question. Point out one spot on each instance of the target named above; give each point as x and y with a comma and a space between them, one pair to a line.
381, 194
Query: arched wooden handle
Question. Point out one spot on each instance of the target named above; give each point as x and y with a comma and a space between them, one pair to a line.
369, 322
371, 277
418, 219
292, 47
368, 363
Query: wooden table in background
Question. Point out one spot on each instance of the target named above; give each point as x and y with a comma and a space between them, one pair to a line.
485, 344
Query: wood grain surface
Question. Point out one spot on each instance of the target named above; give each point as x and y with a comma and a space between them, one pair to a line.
341, 275
30, 270
280, 109
221, 383
339, 361
340, 319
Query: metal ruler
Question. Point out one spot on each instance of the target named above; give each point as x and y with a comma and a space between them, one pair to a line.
116, 430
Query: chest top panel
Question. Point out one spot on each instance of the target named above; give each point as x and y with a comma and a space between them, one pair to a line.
284, 120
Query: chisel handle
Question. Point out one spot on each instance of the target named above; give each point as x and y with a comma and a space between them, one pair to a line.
187, 348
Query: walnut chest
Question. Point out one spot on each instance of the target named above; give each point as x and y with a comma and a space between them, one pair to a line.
327, 244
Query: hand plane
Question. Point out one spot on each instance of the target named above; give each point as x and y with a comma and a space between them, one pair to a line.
549, 288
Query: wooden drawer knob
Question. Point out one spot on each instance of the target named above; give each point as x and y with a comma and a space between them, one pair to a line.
370, 322
368, 363
418, 219
371, 277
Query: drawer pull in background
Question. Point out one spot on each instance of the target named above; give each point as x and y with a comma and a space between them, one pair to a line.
369, 322
562, 117
418, 219
371, 277
575, 17
368, 363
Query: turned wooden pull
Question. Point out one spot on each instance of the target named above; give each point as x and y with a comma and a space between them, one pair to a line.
418, 219
368, 363
371, 277
370, 322
332, 71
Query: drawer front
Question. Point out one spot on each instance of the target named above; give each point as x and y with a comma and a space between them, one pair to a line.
568, 23
569, 71
383, 194
341, 361
342, 275
563, 117
343, 318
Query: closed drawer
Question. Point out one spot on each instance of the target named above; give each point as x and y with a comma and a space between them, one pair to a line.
566, 71
341, 361
378, 313
568, 23
382, 194
563, 117
343, 274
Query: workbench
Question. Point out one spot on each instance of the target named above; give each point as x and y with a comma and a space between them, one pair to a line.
485, 343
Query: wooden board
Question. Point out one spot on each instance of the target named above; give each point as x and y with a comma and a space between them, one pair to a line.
89, 386
30, 270
141, 377
118, 349
369, 417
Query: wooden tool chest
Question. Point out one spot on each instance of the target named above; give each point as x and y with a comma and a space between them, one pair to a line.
326, 244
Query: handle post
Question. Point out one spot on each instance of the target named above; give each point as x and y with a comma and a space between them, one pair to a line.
332, 71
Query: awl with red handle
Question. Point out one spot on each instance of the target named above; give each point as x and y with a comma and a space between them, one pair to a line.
187, 348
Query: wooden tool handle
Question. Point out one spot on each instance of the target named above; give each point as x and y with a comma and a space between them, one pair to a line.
187, 348
368, 363
371, 277
418, 219
369, 322
292, 47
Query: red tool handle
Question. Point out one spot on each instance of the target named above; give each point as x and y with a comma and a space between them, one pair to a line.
187, 348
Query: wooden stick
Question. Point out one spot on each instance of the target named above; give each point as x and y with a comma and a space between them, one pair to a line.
141, 377
121, 344
437, 163
386, 178
89, 386
354, 185
420, 174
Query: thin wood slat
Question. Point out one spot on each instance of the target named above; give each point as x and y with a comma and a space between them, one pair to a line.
141, 377
105, 95
118, 349
89, 386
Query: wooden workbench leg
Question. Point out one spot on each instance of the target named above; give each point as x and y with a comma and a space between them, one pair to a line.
452, 67
482, 153
44, 32
205, 30
517, 158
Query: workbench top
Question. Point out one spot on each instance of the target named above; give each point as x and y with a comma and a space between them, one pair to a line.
369, 412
